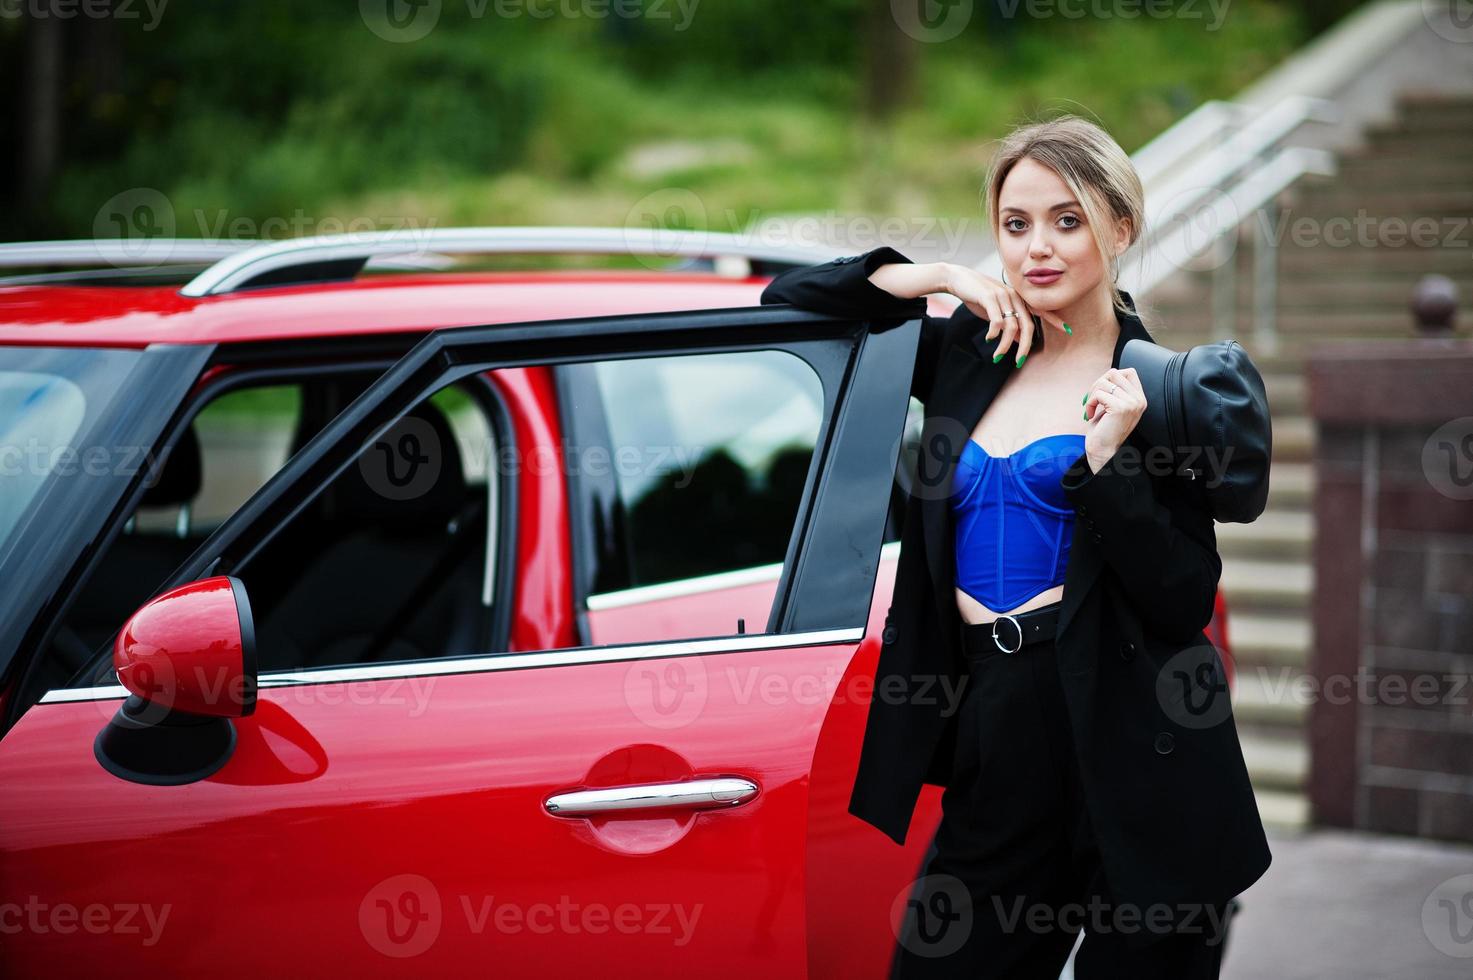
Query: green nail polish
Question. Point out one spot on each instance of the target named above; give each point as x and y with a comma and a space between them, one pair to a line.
1086, 416
1067, 330
1084, 399
1022, 359
996, 358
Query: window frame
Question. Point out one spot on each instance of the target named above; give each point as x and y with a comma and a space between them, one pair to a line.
862, 390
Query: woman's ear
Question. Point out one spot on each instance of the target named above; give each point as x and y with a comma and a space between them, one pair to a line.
1123, 236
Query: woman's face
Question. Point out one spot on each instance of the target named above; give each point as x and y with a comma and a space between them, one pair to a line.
1041, 227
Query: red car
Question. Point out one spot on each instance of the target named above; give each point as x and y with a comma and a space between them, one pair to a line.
442, 621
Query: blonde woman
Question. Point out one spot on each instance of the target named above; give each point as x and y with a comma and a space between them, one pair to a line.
1092, 770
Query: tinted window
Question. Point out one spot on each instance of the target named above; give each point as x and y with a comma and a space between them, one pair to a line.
710, 454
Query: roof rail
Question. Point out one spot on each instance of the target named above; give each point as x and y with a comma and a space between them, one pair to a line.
118, 260
118, 252
321, 257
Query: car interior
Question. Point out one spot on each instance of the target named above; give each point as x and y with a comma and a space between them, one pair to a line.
358, 577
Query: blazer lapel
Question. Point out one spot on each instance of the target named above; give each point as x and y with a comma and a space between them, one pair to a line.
965, 386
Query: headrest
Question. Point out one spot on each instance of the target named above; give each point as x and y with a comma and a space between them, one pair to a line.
409, 478
179, 481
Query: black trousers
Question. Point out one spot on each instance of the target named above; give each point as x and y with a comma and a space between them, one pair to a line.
1014, 872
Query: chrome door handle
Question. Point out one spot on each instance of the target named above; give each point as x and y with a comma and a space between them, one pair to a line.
695, 794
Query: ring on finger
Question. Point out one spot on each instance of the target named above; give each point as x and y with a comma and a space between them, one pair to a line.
1008, 314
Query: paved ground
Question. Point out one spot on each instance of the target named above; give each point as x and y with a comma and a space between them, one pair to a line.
1353, 906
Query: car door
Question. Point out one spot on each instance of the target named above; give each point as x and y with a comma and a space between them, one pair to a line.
637, 807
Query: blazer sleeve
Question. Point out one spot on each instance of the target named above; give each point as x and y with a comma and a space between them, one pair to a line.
842, 287
1166, 558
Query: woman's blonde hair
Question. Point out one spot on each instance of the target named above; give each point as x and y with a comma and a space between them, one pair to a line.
1091, 164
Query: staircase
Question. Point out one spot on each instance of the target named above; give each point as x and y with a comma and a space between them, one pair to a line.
1336, 279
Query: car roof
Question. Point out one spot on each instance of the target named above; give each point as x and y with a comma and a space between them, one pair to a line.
136, 316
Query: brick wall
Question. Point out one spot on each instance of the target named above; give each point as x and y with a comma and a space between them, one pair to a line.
1391, 721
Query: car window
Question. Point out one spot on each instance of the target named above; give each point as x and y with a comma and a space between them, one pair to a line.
712, 452
46, 398
905, 470
236, 441
389, 562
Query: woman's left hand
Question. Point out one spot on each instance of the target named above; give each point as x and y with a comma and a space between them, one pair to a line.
1112, 414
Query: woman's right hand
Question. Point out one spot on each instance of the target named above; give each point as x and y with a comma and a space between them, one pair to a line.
989, 299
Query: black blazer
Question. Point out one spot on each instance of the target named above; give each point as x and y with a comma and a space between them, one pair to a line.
1160, 761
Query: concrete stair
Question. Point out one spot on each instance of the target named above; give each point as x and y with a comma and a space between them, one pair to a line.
1337, 280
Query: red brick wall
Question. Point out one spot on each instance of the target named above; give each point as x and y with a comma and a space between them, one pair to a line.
1391, 727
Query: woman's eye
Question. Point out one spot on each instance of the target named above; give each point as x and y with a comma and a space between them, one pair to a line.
1070, 218
1010, 226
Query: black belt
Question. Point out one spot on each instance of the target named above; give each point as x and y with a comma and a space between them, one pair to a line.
1010, 633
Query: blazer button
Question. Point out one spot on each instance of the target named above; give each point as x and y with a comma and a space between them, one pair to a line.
1083, 509
1097, 537
1127, 650
889, 634
1164, 743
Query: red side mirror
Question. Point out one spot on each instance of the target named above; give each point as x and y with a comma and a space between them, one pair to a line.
192, 649
189, 659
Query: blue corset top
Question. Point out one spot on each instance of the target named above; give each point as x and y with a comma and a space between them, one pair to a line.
1013, 522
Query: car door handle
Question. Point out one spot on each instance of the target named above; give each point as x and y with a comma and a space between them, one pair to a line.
695, 794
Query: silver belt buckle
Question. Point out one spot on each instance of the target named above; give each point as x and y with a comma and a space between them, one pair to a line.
1016, 625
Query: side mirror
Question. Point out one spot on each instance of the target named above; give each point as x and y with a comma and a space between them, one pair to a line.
188, 659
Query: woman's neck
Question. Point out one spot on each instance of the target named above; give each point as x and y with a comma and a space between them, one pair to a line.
1092, 320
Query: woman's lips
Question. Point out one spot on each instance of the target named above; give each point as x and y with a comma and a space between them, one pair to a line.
1042, 278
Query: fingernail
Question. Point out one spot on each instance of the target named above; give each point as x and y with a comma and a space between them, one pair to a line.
1086, 416
1067, 330
1084, 399
1022, 359
996, 358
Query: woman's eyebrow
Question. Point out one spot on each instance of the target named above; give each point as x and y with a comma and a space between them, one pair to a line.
1056, 207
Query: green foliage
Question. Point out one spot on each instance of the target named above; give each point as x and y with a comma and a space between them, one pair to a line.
289, 111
